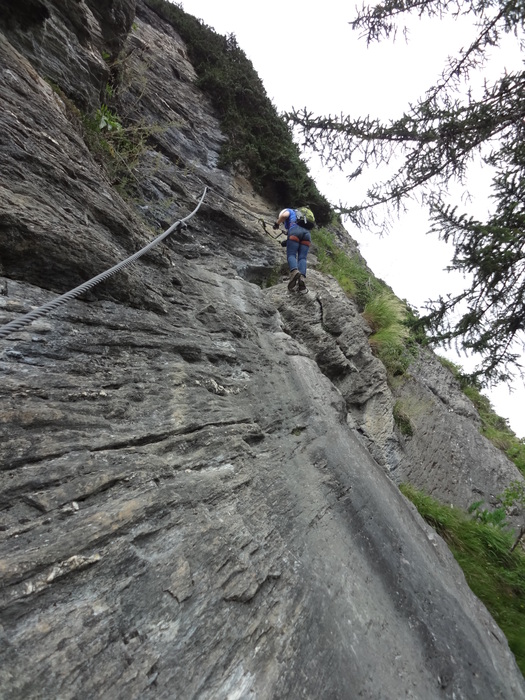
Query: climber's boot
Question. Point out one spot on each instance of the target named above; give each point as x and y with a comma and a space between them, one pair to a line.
302, 285
294, 278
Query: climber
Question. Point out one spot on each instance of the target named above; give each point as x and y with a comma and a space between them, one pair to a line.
297, 245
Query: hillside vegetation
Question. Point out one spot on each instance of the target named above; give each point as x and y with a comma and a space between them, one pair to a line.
259, 140
494, 569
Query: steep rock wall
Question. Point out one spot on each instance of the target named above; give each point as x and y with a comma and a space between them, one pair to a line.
447, 456
196, 472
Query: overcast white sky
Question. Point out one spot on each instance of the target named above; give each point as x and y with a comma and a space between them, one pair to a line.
332, 71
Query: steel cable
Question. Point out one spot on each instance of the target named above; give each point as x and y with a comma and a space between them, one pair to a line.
28, 318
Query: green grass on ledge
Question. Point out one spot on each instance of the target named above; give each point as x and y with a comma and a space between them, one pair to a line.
494, 573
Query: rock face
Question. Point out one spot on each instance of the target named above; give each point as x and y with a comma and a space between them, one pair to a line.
198, 471
446, 456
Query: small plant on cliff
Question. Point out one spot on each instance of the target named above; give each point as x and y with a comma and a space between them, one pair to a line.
386, 315
495, 518
118, 148
106, 119
402, 419
494, 570
514, 495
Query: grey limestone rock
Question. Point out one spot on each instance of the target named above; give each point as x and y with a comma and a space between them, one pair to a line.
446, 455
195, 469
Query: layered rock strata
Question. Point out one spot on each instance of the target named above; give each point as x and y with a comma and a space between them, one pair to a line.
198, 471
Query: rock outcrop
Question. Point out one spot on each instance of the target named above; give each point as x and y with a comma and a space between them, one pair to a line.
198, 470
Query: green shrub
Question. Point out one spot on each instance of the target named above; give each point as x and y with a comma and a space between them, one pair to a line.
494, 572
416, 326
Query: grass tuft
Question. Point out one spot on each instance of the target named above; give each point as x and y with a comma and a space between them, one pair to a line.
402, 419
386, 315
350, 272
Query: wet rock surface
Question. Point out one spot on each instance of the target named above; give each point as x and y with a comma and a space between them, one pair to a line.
196, 470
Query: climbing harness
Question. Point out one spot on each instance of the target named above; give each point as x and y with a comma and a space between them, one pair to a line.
28, 318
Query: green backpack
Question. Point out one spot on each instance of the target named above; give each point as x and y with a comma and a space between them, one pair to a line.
305, 217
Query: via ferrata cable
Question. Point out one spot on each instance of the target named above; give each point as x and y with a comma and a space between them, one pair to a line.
28, 318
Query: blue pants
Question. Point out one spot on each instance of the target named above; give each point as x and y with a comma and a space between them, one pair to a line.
297, 247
